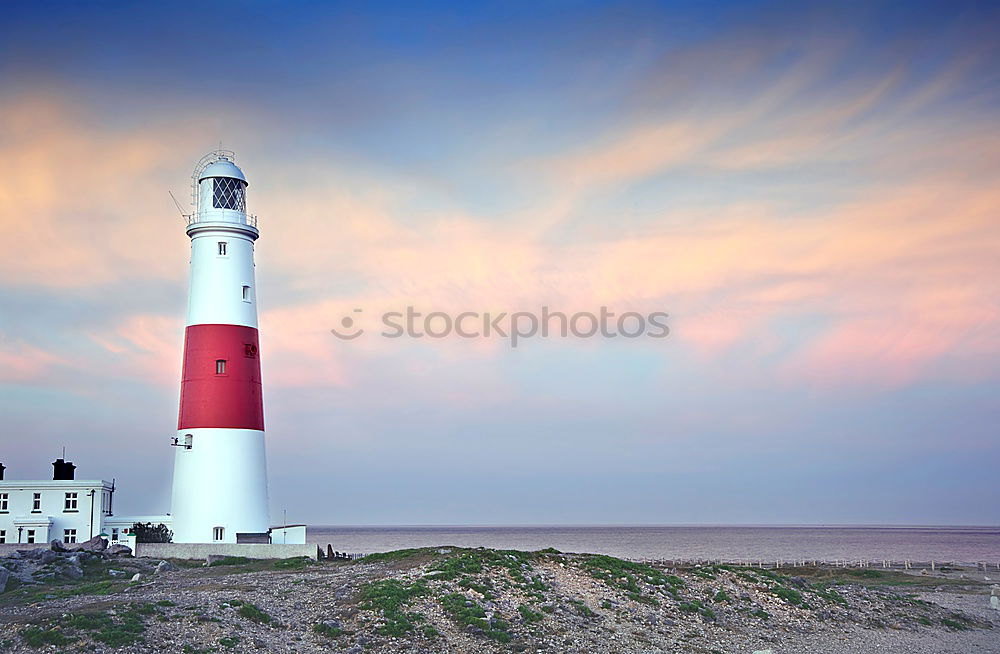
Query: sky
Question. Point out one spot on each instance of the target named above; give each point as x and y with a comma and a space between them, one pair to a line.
811, 191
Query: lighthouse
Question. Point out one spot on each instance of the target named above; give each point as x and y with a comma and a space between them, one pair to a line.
220, 470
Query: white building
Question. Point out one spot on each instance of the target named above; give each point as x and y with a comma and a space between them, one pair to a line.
64, 508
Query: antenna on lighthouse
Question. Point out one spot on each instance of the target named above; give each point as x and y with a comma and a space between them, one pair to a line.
179, 207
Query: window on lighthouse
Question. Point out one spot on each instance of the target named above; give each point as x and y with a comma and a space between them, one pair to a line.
229, 193
246, 293
218, 533
220, 367
222, 248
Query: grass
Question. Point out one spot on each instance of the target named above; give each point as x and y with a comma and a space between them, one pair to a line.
722, 596
528, 615
482, 589
230, 560
294, 563
790, 595
474, 561
628, 575
125, 627
34, 594
956, 622
466, 612
254, 613
399, 555
329, 631
390, 596
39, 637
229, 641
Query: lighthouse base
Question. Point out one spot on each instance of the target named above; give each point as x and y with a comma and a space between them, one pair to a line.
220, 485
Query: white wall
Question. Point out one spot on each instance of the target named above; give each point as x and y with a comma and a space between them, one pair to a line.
53, 518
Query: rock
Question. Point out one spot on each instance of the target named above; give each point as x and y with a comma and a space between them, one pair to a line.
212, 558
13, 555
73, 571
4, 578
332, 624
57, 546
166, 566
995, 602
136, 577
118, 550
47, 556
95, 544
116, 573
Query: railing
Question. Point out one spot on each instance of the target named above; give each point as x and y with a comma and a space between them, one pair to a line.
242, 218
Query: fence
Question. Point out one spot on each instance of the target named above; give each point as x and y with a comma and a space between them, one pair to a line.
332, 554
885, 564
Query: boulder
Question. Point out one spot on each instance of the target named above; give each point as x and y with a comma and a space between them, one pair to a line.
95, 544
47, 556
165, 566
118, 550
57, 546
4, 578
73, 571
136, 577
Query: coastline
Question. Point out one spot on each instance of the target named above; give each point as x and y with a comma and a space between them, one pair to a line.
450, 599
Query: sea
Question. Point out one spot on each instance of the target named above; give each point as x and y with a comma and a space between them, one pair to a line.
729, 543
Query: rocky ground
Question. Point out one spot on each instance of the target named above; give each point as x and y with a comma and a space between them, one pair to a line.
480, 600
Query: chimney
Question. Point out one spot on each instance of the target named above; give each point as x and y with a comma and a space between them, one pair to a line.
2, 468
62, 470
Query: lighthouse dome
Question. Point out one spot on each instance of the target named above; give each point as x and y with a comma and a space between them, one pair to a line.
224, 167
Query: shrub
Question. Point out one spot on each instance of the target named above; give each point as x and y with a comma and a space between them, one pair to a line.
252, 612
528, 614
147, 532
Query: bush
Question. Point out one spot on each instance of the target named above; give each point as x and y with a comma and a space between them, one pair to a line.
146, 532
251, 612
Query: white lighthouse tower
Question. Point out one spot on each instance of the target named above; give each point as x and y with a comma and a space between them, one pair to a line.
220, 471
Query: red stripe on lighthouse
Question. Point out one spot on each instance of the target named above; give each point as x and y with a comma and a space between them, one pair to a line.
230, 399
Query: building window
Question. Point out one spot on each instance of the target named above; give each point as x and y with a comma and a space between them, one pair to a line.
70, 502
4, 499
220, 367
31, 535
36, 502
218, 533
114, 533
69, 535
188, 441
3, 535
222, 248
246, 293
